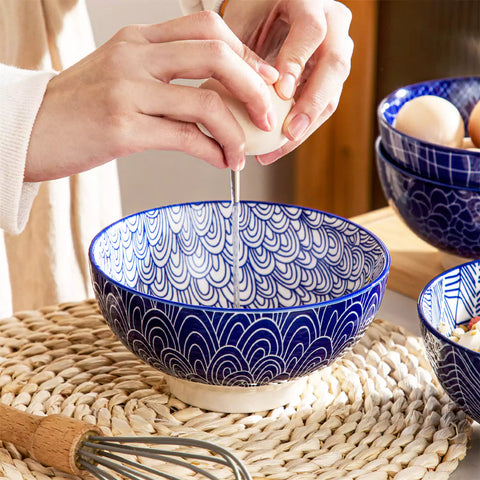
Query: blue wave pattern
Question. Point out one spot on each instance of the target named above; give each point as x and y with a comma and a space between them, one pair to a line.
289, 253
453, 298
235, 348
288, 256
446, 217
452, 166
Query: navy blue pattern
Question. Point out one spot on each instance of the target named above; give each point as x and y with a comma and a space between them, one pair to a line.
453, 298
311, 284
449, 165
447, 217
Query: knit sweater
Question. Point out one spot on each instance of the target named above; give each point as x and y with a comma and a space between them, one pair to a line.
48, 226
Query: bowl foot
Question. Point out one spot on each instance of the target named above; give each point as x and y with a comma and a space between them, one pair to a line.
236, 399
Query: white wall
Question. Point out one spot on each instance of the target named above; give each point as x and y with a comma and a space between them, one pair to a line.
157, 178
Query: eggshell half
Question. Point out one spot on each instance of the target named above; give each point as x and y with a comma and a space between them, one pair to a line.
257, 141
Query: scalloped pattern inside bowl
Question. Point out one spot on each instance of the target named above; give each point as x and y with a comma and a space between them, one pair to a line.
453, 166
289, 256
453, 298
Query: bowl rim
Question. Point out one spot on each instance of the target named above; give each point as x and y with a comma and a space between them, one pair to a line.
384, 273
433, 146
380, 151
427, 324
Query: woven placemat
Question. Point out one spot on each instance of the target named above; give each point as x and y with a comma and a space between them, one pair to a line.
376, 414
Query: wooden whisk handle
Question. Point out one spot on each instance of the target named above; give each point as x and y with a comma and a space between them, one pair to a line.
52, 440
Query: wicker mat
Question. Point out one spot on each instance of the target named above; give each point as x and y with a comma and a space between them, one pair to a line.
375, 414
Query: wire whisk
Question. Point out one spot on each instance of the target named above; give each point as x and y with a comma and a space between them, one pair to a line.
75, 447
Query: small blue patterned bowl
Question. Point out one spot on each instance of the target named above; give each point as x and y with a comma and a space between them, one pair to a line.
310, 284
453, 166
445, 216
453, 298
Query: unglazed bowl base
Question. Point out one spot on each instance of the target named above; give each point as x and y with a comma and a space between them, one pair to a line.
236, 399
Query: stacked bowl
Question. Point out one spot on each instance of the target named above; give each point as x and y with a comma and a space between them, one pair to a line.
434, 188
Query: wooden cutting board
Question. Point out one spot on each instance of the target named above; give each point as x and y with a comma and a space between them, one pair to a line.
414, 262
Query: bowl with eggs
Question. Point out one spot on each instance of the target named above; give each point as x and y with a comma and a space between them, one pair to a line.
449, 309
445, 216
432, 128
238, 336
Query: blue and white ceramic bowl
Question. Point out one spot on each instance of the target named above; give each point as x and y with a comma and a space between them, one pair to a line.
452, 166
445, 216
310, 284
453, 298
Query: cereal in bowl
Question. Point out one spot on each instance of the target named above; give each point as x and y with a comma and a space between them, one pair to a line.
467, 335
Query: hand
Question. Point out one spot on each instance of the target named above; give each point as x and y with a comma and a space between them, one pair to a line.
308, 42
119, 100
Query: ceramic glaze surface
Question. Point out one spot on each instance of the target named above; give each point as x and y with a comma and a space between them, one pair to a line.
449, 165
444, 216
453, 298
310, 285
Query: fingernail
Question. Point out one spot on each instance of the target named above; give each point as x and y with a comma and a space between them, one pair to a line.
242, 163
271, 119
286, 85
298, 125
269, 73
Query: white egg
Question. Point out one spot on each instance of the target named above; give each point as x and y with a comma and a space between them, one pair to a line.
431, 119
257, 141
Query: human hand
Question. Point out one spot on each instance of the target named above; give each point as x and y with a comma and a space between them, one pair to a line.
309, 44
119, 100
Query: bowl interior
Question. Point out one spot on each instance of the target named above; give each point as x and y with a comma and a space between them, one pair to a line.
288, 256
452, 298
463, 92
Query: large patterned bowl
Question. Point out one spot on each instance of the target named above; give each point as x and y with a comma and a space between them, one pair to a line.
445, 216
310, 284
453, 298
452, 166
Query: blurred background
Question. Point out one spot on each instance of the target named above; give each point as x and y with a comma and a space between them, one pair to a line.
397, 42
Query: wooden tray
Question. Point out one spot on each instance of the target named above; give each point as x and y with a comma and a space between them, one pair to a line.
414, 262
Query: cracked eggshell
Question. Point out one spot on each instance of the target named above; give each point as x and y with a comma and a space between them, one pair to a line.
257, 141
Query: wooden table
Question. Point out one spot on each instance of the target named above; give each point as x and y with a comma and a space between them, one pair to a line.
414, 262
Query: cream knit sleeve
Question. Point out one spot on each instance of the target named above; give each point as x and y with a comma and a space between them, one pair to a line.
191, 6
21, 93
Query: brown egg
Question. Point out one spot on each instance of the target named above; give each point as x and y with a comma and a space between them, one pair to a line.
469, 145
474, 125
431, 119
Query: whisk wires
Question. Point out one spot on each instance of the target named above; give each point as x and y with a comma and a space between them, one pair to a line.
98, 452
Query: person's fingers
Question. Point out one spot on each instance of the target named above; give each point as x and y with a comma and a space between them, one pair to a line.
158, 133
212, 58
321, 93
195, 105
205, 25
269, 158
308, 28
